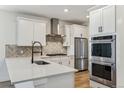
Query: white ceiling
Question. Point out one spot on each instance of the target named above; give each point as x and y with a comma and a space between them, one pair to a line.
77, 13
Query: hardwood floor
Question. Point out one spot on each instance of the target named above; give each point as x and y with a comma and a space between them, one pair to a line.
82, 79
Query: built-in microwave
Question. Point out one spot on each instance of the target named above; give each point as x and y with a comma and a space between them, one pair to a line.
104, 73
103, 48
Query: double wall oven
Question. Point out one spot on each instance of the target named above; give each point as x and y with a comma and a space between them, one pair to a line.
103, 60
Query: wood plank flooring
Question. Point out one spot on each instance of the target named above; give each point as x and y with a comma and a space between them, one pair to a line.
82, 79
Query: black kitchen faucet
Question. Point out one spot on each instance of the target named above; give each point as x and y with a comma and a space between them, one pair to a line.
32, 60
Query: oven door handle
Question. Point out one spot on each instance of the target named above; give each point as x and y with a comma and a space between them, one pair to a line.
104, 63
102, 41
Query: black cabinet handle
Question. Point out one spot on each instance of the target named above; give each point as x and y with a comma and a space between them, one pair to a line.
100, 29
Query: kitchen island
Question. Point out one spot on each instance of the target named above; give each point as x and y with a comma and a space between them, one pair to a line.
23, 74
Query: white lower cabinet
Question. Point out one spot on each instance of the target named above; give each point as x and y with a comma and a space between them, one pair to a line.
65, 80
61, 81
27, 84
71, 61
63, 60
68, 61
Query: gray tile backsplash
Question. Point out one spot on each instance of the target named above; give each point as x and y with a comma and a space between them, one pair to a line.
25, 51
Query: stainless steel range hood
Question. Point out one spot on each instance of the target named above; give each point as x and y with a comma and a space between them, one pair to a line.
54, 27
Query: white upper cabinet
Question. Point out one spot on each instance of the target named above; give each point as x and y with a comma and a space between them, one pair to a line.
67, 37
72, 31
108, 19
102, 21
25, 33
80, 31
95, 22
40, 32
29, 31
75, 31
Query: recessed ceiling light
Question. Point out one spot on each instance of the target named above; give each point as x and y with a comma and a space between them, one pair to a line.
66, 10
87, 16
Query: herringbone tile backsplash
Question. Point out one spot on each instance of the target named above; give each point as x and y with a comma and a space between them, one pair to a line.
50, 48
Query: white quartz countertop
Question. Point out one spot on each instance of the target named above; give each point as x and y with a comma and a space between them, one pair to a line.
21, 69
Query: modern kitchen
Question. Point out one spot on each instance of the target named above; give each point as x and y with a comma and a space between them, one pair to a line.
61, 46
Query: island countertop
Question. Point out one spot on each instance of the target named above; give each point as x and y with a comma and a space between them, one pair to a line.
21, 69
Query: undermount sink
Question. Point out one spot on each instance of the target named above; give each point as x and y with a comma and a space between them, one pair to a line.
41, 63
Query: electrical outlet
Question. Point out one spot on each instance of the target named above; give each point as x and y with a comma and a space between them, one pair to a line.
21, 51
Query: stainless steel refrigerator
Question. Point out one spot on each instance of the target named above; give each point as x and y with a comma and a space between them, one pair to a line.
81, 53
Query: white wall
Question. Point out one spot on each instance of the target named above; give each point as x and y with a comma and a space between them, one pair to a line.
7, 31
4, 76
120, 46
7, 35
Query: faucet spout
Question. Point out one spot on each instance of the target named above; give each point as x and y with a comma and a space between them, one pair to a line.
33, 44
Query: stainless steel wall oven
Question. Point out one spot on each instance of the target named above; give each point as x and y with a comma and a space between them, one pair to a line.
103, 60
103, 48
104, 73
